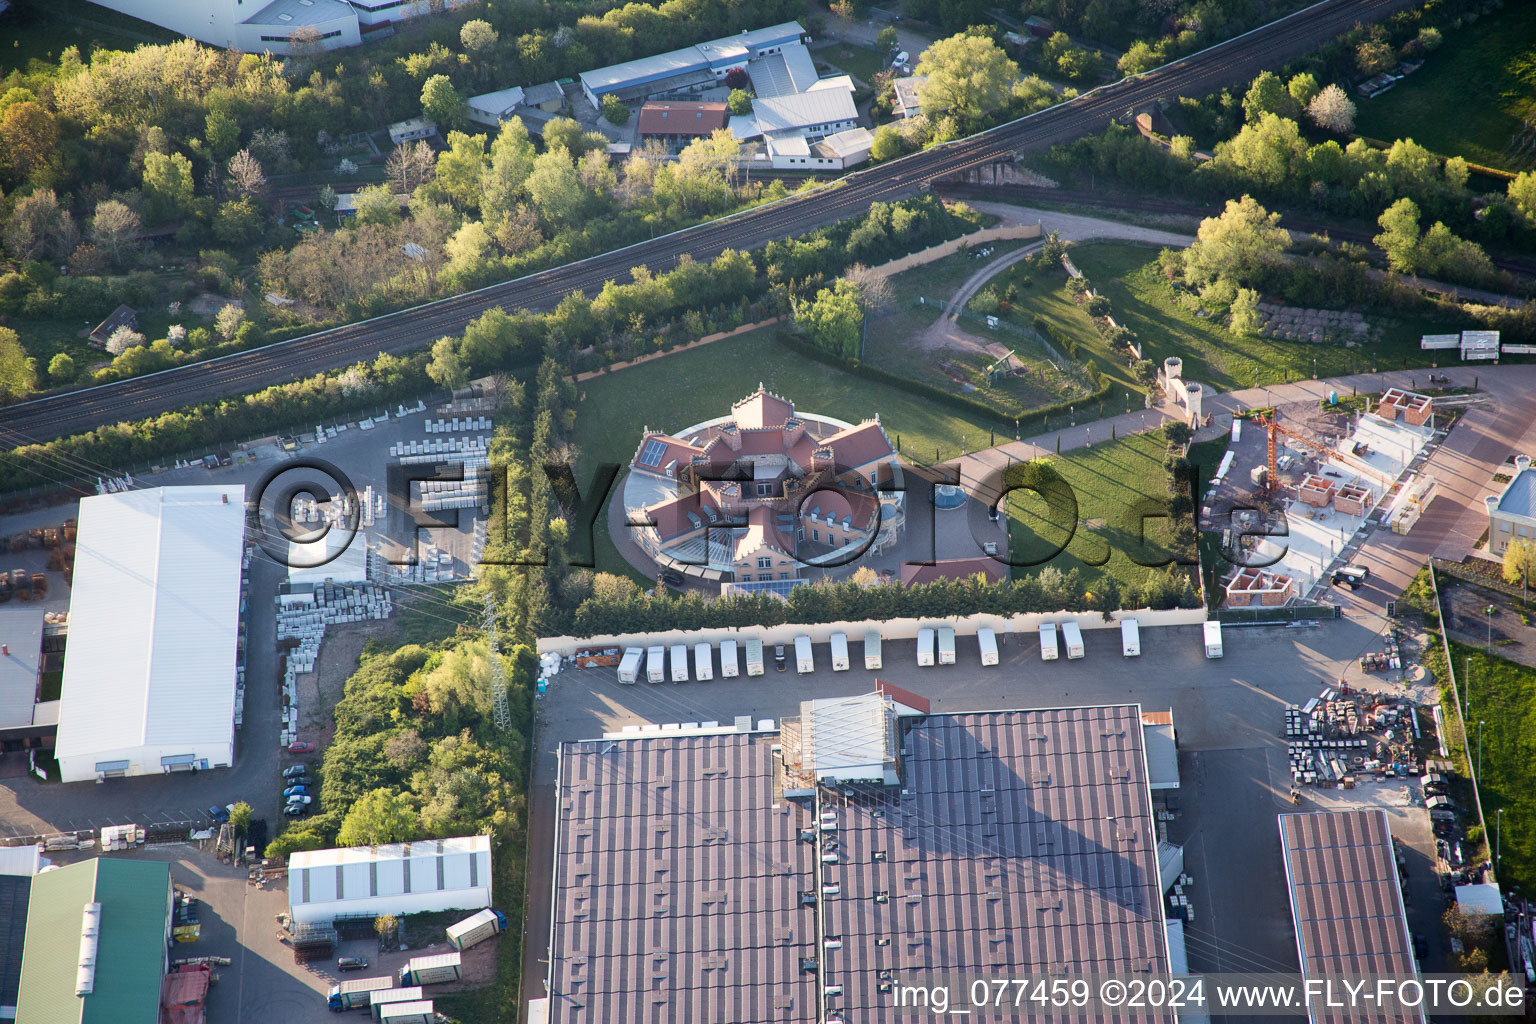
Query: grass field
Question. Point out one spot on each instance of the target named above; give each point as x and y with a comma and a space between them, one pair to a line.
1112, 483
1127, 275
862, 62
1470, 96
41, 29
1503, 698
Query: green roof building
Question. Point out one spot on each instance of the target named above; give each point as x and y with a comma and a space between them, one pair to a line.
131, 956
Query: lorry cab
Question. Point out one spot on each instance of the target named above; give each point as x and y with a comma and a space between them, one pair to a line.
1351, 576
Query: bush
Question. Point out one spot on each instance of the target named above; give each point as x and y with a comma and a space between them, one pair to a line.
615, 110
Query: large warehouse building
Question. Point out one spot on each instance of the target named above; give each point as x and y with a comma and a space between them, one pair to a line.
797, 875
154, 620
1347, 904
402, 878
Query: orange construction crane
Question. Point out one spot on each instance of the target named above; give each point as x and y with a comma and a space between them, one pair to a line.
1273, 429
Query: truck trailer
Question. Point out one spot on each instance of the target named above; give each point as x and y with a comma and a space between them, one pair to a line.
629, 665
655, 664
872, 659
839, 652
418, 1012
730, 661
1212, 630
1130, 637
946, 645
804, 660
754, 657
431, 970
352, 995
1048, 649
1072, 639
924, 647
679, 663
379, 1000
986, 642
703, 662
476, 928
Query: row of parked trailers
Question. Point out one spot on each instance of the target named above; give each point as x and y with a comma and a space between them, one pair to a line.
935, 645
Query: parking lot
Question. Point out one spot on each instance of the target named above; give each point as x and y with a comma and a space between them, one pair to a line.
1229, 716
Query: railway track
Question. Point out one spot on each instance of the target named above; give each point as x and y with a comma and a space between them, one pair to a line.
1227, 63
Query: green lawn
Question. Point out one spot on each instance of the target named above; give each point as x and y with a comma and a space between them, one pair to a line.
862, 62
1112, 484
42, 29
1127, 275
1470, 96
1503, 696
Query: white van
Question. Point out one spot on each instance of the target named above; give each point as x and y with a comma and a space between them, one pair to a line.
839, 652
872, 661
1072, 638
703, 662
986, 640
679, 663
629, 665
1130, 635
804, 661
1212, 639
655, 664
1048, 651
946, 645
924, 647
730, 665
754, 657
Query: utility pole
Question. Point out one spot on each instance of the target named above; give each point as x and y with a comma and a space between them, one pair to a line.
500, 710
1498, 839
1479, 751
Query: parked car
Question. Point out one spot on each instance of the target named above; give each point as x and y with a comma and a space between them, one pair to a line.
352, 963
295, 809
219, 814
288, 443
301, 747
778, 657
1420, 948
293, 771
671, 577
293, 791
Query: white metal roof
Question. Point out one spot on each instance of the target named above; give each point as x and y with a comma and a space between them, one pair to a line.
365, 872
341, 555
153, 619
821, 106
840, 733
25, 861
1480, 900
848, 143
21, 631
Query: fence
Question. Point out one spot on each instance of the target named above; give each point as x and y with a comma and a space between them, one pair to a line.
954, 245
1450, 674
1065, 365
889, 629
1288, 613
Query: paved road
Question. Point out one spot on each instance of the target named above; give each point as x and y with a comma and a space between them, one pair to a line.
1231, 62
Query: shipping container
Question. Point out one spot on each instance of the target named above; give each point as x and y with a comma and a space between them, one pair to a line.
476, 928
754, 657
629, 665
419, 1012
655, 664
679, 663
946, 645
986, 642
804, 660
924, 647
1212, 639
1048, 651
1130, 636
872, 661
349, 995
431, 970
730, 662
703, 662
1072, 640
839, 652
392, 995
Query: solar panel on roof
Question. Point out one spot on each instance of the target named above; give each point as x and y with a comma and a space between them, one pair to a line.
652, 453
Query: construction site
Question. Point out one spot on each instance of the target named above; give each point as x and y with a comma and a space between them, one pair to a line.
1300, 487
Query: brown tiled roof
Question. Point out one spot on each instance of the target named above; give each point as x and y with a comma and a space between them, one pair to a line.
673, 450
671, 517
913, 574
860, 445
762, 408
763, 531
685, 118
860, 508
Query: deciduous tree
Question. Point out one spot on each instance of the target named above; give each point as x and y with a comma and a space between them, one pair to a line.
28, 134
167, 184
228, 319
441, 102
380, 816
477, 35
967, 76
18, 372
245, 174
1519, 563
1238, 246
113, 229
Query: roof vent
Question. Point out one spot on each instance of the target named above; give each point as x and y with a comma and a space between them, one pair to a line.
90, 934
